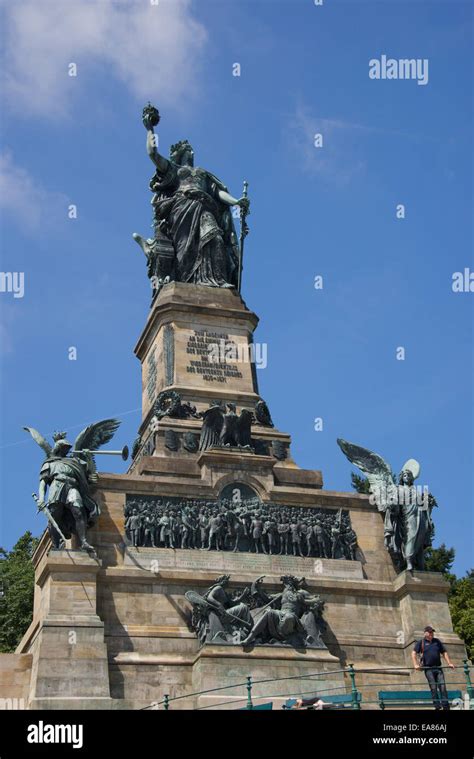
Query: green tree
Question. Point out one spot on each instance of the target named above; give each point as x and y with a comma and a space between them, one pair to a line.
461, 606
17, 579
440, 560
360, 484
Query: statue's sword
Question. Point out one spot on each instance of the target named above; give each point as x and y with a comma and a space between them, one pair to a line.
49, 516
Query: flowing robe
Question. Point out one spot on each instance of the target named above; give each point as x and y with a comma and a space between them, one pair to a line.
187, 207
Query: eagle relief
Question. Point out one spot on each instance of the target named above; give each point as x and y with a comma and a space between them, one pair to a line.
221, 428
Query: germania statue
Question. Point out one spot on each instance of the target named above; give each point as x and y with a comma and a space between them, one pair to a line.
195, 239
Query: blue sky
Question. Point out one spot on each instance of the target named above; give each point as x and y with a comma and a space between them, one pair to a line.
327, 211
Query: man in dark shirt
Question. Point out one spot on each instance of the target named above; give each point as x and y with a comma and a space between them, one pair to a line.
430, 650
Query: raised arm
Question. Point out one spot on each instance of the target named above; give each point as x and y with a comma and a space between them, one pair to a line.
241, 596
160, 162
151, 119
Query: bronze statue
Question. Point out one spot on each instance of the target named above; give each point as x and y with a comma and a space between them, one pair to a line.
133, 526
219, 617
248, 525
293, 616
221, 428
195, 239
69, 507
252, 617
408, 526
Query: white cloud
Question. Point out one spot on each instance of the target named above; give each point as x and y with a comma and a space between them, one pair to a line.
336, 161
343, 155
24, 199
153, 49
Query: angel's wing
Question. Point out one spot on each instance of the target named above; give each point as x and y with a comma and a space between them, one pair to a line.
373, 466
213, 420
97, 434
91, 438
38, 438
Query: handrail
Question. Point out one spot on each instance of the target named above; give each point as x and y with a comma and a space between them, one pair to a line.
304, 693
322, 695
167, 698
350, 670
236, 685
326, 692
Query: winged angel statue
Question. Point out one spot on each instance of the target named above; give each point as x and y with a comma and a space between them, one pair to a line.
69, 507
408, 527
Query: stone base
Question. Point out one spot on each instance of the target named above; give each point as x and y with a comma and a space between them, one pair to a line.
117, 636
69, 654
303, 675
15, 673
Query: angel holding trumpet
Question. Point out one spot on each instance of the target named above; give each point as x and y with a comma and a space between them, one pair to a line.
66, 481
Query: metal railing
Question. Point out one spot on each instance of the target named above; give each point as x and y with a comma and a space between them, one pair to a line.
354, 696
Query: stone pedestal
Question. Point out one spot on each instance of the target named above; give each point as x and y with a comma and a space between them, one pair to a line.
69, 665
15, 673
185, 323
173, 349
277, 674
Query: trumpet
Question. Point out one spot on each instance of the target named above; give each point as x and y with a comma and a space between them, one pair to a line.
123, 453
